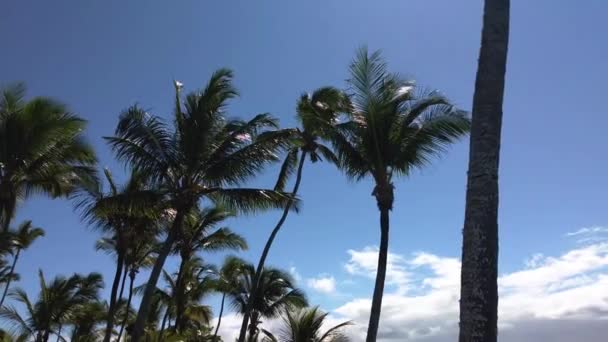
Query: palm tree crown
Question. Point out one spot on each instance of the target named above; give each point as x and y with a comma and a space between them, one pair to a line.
56, 301
276, 291
305, 325
42, 150
204, 155
392, 129
18, 240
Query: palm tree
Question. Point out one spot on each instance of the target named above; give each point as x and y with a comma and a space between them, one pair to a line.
42, 150
314, 113
140, 254
479, 289
201, 233
204, 157
86, 319
21, 239
304, 325
392, 130
5, 272
198, 282
56, 301
114, 213
227, 279
276, 292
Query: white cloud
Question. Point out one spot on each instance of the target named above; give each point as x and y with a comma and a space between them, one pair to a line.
324, 284
590, 235
588, 230
294, 273
365, 262
553, 298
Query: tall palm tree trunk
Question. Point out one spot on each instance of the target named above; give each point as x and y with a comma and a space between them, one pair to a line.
10, 276
47, 334
180, 301
144, 307
8, 207
479, 290
132, 275
374, 318
264, 255
219, 318
124, 279
113, 293
59, 332
163, 324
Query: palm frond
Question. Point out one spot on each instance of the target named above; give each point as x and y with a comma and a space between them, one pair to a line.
247, 200
287, 169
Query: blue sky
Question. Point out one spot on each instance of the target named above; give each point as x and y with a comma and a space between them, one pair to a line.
100, 57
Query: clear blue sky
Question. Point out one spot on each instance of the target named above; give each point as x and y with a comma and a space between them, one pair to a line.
102, 56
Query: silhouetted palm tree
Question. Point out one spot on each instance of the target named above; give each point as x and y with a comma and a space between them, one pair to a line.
125, 214
201, 233
86, 319
141, 249
203, 156
392, 130
56, 301
478, 287
226, 283
42, 150
276, 291
315, 113
305, 325
20, 239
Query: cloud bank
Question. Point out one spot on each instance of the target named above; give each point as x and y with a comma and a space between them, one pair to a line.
554, 298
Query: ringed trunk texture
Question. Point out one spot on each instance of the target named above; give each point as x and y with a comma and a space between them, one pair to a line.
115, 285
10, 276
479, 290
374, 318
144, 307
269, 242
219, 318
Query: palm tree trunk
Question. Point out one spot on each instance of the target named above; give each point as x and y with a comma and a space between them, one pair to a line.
179, 295
10, 202
124, 280
45, 337
219, 318
115, 285
269, 242
59, 332
144, 307
479, 289
374, 318
124, 320
162, 325
10, 276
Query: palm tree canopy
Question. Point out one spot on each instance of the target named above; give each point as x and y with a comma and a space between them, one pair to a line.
42, 149
25, 235
204, 154
201, 232
393, 127
305, 325
57, 300
316, 113
276, 291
